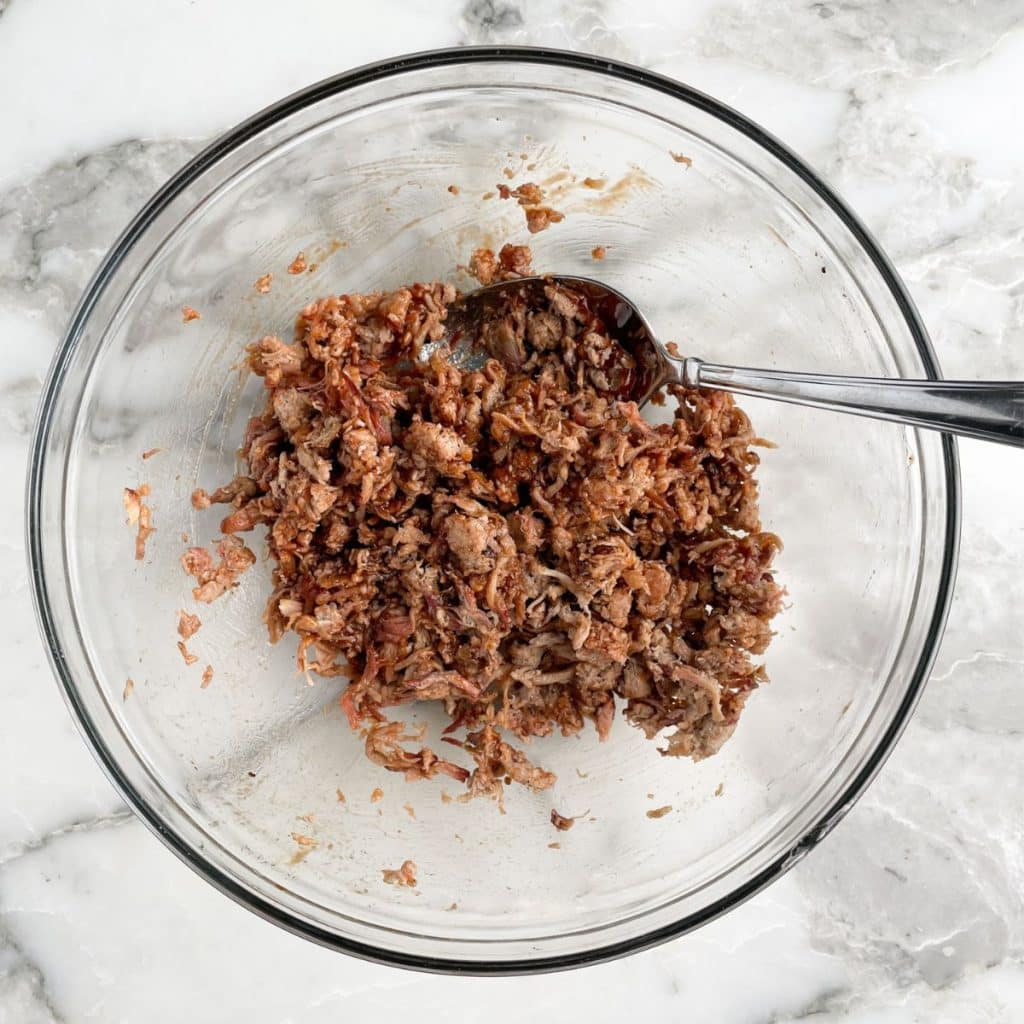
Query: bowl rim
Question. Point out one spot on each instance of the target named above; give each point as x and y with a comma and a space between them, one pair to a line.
225, 143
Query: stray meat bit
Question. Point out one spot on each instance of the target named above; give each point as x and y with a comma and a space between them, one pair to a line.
384, 747
540, 218
140, 515
129, 685
403, 876
554, 846
190, 659
150, 452
454, 189
207, 677
377, 794
188, 314
659, 812
297, 265
214, 579
531, 198
264, 283
514, 543
306, 844
680, 159
598, 252
561, 822
410, 810
341, 796
595, 183
188, 625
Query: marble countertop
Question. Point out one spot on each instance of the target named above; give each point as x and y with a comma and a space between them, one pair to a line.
913, 908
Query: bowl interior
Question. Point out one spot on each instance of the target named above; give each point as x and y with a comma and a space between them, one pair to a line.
736, 257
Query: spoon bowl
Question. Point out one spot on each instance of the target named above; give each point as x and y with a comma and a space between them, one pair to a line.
986, 410
471, 342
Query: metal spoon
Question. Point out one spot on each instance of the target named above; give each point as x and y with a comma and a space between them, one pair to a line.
989, 410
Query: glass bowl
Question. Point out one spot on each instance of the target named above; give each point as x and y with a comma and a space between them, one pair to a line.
739, 251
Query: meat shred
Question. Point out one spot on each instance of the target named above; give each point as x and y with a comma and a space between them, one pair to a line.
403, 876
531, 198
514, 543
561, 822
214, 579
190, 659
140, 515
188, 625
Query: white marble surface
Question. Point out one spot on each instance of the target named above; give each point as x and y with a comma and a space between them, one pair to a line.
912, 910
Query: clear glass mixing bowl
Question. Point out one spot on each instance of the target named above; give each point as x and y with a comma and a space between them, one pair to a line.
745, 256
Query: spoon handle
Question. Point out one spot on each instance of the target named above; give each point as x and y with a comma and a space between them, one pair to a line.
989, 410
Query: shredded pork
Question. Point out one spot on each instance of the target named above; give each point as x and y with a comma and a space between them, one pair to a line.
515, 543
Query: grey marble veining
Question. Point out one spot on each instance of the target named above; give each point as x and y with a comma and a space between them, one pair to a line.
912, 909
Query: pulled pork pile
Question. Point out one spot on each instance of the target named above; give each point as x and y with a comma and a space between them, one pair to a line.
515, 543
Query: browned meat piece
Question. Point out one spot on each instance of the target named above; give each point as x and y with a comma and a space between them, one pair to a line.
472, 540
384, 747
188, 625
561, 822
540, 218
405, 875
515, 543
528, 194
272, 359
483, 265
516, 261
439, 448
215, 578
139, 515
531, 198
496, 760
189, 658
